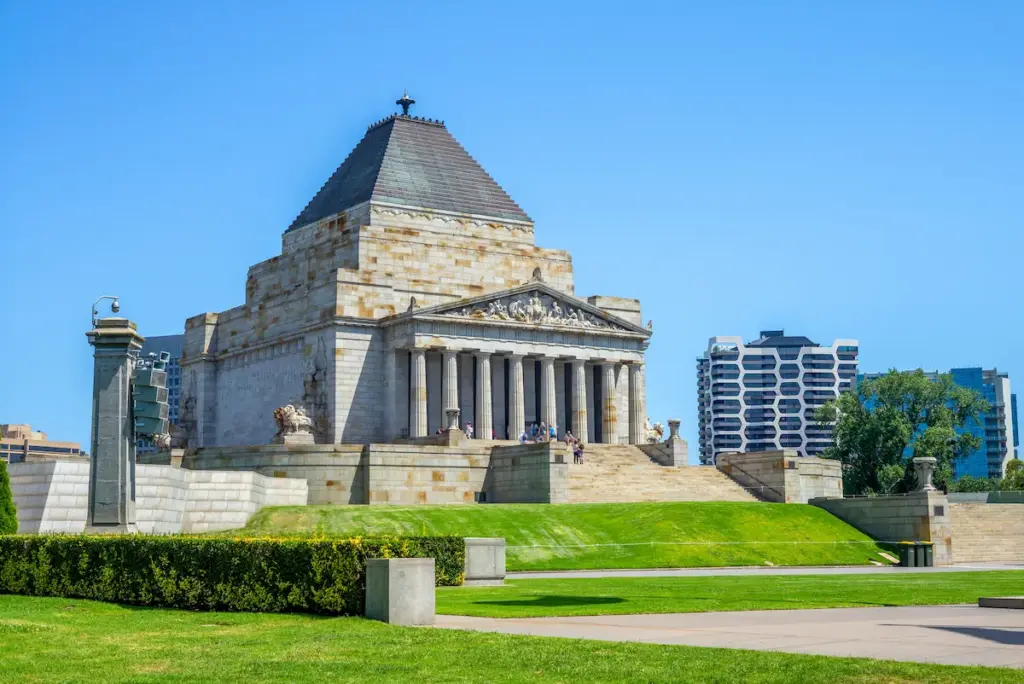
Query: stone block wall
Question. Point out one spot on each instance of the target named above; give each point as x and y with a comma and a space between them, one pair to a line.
783, 476
529, 473
920, 516
408, 474
52, 497
335, 473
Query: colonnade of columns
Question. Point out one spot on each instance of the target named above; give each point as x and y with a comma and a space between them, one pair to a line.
515, 394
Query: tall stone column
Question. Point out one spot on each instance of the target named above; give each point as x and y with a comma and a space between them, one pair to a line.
418, 394
516, 397
637, 404
609, 410
450, 383
579, 400
112, 453
484, 425
548, 396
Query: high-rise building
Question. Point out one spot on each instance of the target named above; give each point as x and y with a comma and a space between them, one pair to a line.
172, 344
997, 427
20, 443
763, 395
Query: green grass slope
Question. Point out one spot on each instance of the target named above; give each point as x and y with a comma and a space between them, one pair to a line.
567, 537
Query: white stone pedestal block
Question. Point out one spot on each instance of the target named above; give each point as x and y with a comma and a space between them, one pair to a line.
485, 561
400, 590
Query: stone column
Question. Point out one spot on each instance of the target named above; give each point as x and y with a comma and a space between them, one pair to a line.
112, 453
548, 397
449, 384
516, 397
484, 425
418, 394
579, 400
637, 404
609, 409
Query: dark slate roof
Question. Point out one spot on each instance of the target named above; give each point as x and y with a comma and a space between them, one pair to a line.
416, 162
783, 341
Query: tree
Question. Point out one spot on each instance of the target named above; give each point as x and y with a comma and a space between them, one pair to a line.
8, 514
887, 421
1014, 479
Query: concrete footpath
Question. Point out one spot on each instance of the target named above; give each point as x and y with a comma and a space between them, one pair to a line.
951, 635
757, 570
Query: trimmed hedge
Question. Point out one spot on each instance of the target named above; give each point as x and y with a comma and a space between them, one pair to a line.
200, 573
8, 514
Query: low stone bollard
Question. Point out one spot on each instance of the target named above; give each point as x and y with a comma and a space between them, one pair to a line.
400, 591
485, 561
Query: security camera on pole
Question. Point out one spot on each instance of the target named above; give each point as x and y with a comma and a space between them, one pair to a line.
129, 397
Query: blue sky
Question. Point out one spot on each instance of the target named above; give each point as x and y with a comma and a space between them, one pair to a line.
836, 169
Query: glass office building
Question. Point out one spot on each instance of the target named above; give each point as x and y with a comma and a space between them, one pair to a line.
997, 428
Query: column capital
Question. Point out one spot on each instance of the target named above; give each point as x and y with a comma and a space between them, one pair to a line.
483, 354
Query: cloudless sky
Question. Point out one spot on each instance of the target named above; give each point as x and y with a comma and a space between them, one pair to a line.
837, 169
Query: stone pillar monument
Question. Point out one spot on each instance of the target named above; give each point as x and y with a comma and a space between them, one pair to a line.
112, 473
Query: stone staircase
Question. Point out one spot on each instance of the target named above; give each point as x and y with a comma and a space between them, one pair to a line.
987, 532
612, 473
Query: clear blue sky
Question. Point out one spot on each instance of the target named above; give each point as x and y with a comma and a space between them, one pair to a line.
840, 169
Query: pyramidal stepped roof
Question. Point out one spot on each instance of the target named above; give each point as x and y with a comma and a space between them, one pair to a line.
416, 162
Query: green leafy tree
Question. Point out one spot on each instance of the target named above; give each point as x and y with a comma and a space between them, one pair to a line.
888, 420
8, 514
1014, 479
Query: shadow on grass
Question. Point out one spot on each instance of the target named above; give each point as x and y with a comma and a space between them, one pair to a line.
552, 601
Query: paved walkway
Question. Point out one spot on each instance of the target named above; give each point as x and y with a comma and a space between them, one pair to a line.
953, 635
757, 570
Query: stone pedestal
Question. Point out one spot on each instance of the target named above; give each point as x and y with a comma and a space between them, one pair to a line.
112, 473
304, 438
924, 467
485, 561
400, 591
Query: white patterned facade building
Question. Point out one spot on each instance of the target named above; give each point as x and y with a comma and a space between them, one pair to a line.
412, 284
762, 395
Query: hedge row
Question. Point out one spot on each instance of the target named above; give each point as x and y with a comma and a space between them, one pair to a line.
196, 573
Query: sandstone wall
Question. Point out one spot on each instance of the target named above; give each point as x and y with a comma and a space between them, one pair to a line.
920, 516
52, 497
529, 473
783, 475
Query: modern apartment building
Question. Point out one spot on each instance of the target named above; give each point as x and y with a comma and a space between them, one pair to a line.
762, 395
19, 443
997, 428
172, 344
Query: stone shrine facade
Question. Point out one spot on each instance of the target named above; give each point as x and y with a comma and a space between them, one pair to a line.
409, 285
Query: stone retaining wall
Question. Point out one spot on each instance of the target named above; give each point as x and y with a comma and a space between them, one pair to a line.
52, 497
529, 473
919, 516
784, 476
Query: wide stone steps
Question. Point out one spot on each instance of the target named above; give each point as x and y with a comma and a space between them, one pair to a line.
619, 473
987, 532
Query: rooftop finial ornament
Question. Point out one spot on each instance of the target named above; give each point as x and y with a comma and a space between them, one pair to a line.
405, 102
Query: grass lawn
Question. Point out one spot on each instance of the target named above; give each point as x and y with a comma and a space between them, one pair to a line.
615, 596
62, 640
555, 537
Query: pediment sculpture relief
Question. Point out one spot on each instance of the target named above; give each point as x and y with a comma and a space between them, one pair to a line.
535, 307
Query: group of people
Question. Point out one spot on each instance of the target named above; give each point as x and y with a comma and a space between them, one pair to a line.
539, 433
549, 433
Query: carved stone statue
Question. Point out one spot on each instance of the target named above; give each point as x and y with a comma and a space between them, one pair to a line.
161, 440
293, 425
654, 433
534, 307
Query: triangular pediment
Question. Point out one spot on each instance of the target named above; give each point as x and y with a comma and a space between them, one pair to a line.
531, 304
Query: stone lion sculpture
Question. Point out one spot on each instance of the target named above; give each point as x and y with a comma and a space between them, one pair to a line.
161, 440
291, 419
655, 433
